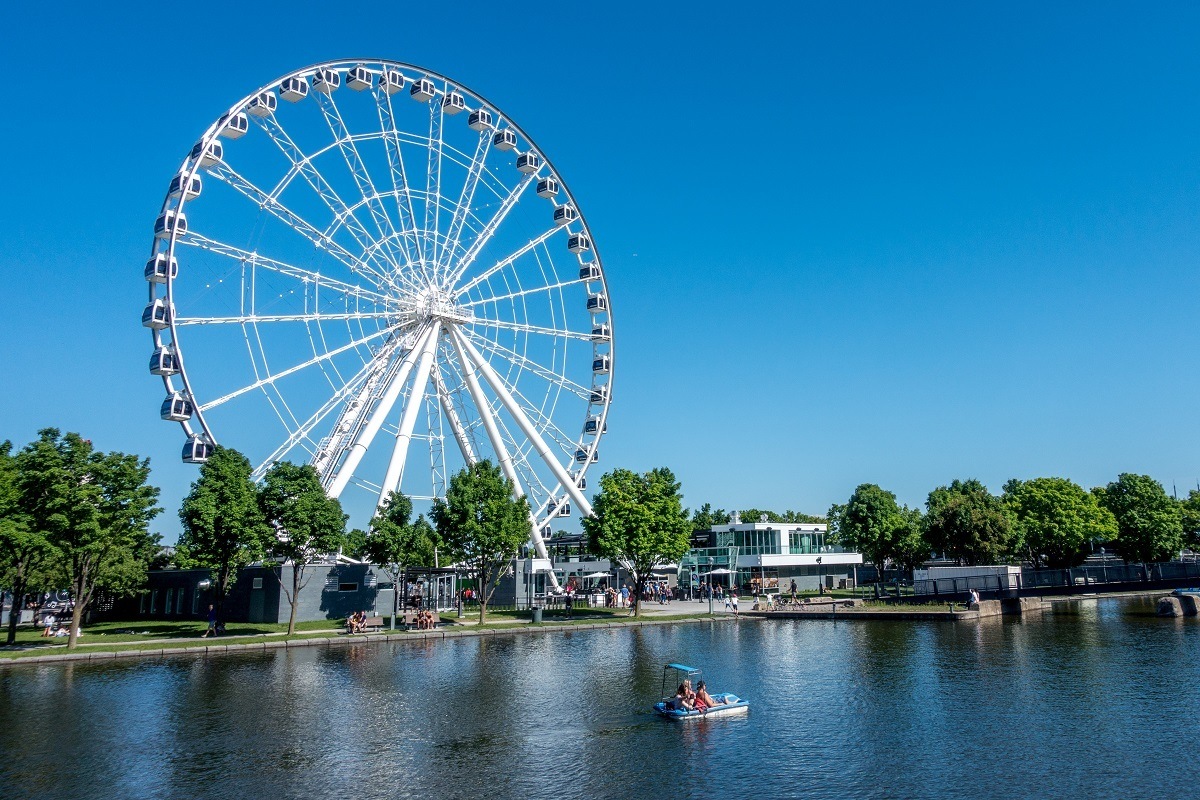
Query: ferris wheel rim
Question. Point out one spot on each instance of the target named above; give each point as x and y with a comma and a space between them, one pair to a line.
191, 167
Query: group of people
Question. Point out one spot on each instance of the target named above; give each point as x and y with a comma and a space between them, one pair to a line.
357, 622
698, 699
425, 620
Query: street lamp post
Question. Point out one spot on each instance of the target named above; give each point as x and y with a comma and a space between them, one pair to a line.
710, 569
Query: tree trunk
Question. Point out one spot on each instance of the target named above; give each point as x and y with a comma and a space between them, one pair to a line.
639, 584
14, 616
483, 597
81, 600
297, 585
221, 589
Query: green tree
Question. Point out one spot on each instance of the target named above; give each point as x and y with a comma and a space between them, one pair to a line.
871, 522
1190, 511
24, 550
309, 525
396, 541
706, 516
95, 511
482, 525
639, 522
223, 526
909, 548
967, 522
1149, 522
356, 543
1057, 520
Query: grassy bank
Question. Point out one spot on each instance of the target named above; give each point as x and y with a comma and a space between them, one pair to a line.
131, 637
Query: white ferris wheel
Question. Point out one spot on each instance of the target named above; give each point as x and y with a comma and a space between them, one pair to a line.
366, 266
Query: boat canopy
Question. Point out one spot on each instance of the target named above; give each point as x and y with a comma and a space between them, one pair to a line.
682, 668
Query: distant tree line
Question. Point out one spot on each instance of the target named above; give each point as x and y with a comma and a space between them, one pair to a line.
1047, 522
705, 517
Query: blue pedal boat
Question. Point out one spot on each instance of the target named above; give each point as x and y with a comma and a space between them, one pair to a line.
728, 703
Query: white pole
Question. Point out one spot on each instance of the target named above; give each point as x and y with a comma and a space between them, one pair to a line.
367, 435
493, 432
526, 426
408, 420
460, 433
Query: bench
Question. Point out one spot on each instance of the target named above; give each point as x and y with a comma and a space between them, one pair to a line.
369, 623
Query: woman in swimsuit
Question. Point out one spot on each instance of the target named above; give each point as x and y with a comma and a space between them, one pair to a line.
704, 699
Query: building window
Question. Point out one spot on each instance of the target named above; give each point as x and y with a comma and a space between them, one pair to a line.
347, 587
179, 602
142, 603
154, 601
167, 605
196, 600
256, 584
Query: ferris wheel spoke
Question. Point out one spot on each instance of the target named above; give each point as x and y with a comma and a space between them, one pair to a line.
271, 379
302, 164
452, 417
400, 274
527, 427
400, 184
304, 430
193, 239
525, 362
358, 169
486, 322
256, 319
520, 293
433, 183
465, 198
273, 206
507, 260
489, 230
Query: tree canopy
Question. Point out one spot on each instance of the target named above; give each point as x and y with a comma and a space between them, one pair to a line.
94, 510
24, 549
223, 526
871, 522
967, 522
1057, 519
639, 521
1149, 522
482, 525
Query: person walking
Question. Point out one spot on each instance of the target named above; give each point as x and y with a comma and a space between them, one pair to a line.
212, 622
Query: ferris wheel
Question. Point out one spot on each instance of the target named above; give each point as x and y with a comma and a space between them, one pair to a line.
367, 266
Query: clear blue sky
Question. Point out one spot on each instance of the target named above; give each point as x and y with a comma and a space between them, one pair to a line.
871, 242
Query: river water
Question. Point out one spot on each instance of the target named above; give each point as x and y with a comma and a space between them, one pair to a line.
1094, 699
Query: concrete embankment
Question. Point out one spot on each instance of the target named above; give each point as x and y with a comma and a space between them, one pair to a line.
850, 610
450, 632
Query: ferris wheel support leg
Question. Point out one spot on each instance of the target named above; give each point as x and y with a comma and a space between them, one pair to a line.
408, 420
460, 433
359, 448
526, 426
493, 433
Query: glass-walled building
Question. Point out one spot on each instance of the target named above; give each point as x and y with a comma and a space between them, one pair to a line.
769, 555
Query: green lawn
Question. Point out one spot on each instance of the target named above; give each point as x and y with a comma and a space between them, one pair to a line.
149, 630
155, 635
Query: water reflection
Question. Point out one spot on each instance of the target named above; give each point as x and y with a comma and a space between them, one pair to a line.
1072, 702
